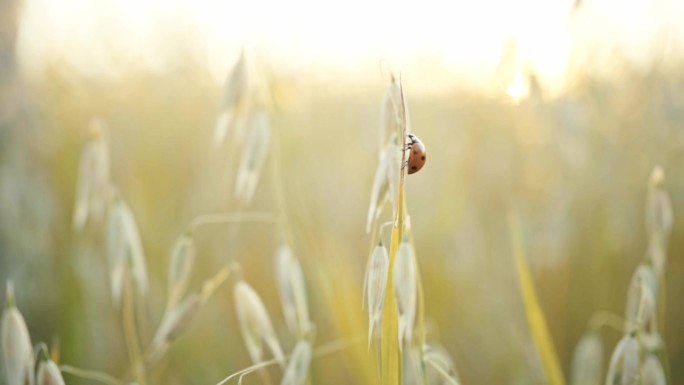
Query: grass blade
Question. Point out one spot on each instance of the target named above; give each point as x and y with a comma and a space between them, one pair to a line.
535, 317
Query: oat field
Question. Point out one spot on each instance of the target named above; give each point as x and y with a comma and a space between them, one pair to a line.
158, 228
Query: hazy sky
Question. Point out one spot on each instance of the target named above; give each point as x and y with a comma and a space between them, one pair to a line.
438, 39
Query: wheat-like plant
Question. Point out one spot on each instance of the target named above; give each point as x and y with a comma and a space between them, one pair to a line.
392, 287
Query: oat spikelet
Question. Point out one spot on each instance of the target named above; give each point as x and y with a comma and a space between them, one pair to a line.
385, 183
175, 321
440, 364
255, 324
92, 189
405, 286
292, 289
624, 362
180, 268
17, 352
374, 286
253, 156
652, 372
49, 374
587, 361
298, 366
390, 117
234, 100
125, 251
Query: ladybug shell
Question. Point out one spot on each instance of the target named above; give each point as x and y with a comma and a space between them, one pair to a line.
416, 159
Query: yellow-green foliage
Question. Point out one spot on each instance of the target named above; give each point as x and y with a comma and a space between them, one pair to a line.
574, 165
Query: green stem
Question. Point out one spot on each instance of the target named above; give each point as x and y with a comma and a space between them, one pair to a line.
421, 314
90, 375
389, 344
329, 348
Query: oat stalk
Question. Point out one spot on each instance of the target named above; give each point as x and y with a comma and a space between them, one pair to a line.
389, 345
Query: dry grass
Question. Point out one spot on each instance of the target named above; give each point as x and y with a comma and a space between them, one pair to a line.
574, 167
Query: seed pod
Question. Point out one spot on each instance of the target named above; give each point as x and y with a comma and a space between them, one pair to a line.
253, 156
405, 286
255, 323
390, 117
385, 183
180, 268
92, 189
298, 366
439, 360
652, 372
49, 374
587, 361
175, 321
125, 251
233, 103
17, 351
374, 286
624, 363
292, 289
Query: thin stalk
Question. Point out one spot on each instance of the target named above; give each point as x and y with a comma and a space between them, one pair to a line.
640, 311
278, 189
390, 354
90, 375
231, 218
131, 334
381, 230
535, 316
153, 357
389, 344
446, 375
324, 350
421, 314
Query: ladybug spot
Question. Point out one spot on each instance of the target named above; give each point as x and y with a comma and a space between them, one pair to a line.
413, 167
422, 157
415, 152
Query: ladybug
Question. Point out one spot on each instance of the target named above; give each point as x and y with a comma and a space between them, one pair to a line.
416, 159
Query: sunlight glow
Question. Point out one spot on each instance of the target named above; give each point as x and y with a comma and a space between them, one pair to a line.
518, 89
447, 43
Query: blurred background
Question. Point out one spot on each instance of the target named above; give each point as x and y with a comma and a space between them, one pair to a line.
560, 109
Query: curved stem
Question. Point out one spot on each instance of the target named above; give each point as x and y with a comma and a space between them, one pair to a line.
231, 218
404, 132
421, 312
90, 375
329, 348
444, 374
383, 227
